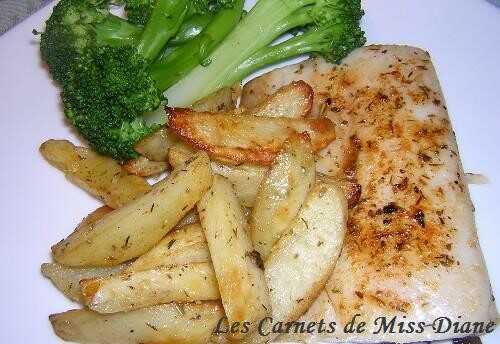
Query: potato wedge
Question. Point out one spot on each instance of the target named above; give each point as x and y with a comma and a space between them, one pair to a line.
182, 246
293, 101
282, 193
189, 219
134, 229
169, 323
178, 269
302, 261
238, 139
144, 167
101, 176
237, 265
133, 290
221, 100
67, 279
155, 146
349, 186
179, 153
245, 178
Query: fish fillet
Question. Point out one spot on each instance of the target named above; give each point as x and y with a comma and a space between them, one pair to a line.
411, 249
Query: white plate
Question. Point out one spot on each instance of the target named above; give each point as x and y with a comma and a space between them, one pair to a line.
39, 207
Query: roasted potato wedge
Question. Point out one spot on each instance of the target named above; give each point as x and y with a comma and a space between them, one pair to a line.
245, 178
179, 153
163, 284
191, 323
238, 139
237, 265
144, 167
67, 279
302, 260
293, 101
155, 146
222, 100
178, 269
349, 186
101, 176
134, 229
282, 193
182, 246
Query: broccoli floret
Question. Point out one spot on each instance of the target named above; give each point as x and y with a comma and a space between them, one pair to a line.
108, 83
74, 26
139, 11
107, 91
110, 87
333, 34
329, 28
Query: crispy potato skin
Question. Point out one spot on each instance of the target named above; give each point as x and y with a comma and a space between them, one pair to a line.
239, 139
134, 229
155, 147
101, 176
245, 178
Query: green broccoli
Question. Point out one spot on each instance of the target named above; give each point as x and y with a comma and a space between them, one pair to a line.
181, 60
330, 29
103, 64
109, 87
191, 28
139, 11
74, 26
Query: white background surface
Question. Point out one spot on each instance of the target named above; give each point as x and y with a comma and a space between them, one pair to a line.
38, 206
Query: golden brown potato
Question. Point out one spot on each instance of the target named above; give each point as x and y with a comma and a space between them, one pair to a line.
135, 228
155, 146
190, 323
132, 290
144, 167
101, 176
237, 265
282, 193
238, 139
293, 101
245, 178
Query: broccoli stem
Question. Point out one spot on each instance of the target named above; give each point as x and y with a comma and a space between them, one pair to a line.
181, 60
314, 41
191, 28
267, 20
116, 31
166, 18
